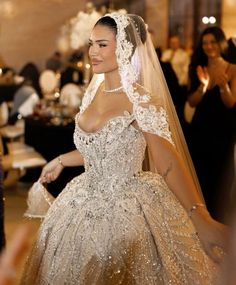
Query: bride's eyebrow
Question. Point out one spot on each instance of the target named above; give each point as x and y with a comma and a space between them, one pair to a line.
98, 41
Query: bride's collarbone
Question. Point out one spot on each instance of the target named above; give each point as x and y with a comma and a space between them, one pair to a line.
103, 110
94, 120
97, 117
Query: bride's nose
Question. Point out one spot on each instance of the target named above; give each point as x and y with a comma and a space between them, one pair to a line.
93, 50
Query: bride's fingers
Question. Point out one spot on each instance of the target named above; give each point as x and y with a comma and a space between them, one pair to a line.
219, 253
44, 172
45, 177
224, 236
49, 178
42, 179
216, 253
53, 176
219, 248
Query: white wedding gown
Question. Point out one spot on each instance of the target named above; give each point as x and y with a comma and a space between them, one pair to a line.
116, 224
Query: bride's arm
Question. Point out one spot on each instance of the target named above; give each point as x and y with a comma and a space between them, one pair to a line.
53, 169
72, 158
170, 165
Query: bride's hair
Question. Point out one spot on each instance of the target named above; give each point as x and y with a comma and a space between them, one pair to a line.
135, 22
108, 22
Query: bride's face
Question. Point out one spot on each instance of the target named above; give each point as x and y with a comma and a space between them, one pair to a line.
102, 49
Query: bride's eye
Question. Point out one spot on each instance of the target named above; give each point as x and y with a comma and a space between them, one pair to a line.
102, 45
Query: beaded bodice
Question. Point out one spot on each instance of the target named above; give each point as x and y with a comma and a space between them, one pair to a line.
115, 151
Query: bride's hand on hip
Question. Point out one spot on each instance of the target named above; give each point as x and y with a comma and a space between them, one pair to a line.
51, 171
212, 234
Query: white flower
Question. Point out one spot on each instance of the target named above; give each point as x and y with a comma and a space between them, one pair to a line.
81, 27
76, 32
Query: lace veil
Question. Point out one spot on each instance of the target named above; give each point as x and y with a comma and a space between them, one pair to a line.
144, 83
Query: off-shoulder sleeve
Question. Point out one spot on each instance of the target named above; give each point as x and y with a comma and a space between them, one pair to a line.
153, 120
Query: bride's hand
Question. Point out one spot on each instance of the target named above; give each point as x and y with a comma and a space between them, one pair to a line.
212, 234
51, 171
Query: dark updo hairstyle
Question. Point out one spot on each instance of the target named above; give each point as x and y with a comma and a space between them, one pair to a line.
107, 22
200, 58
136, 23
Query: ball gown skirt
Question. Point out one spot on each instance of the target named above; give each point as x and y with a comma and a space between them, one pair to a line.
115, 224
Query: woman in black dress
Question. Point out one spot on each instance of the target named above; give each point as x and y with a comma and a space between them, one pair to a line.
212, 132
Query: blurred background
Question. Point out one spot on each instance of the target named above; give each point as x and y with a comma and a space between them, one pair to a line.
29, 29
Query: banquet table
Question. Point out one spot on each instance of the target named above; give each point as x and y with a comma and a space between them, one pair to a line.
7, 91
51, 140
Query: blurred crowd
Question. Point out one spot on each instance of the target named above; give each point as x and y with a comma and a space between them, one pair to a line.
202, 83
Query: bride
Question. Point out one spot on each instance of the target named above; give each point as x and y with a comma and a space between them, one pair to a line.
115, 223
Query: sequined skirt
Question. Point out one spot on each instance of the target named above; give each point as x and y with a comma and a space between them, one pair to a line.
135, 232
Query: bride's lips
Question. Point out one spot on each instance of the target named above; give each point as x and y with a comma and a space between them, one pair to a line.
95, 62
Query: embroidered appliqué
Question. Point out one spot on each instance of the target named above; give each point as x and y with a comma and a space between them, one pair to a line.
153, 121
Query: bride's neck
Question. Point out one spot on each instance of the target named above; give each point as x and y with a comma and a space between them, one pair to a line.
112, 80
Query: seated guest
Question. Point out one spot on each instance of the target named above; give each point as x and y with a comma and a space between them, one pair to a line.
54, 62
30, 72
21, 95
7, 76
73, 73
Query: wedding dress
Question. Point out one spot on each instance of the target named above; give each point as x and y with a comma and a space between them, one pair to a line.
115, 223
